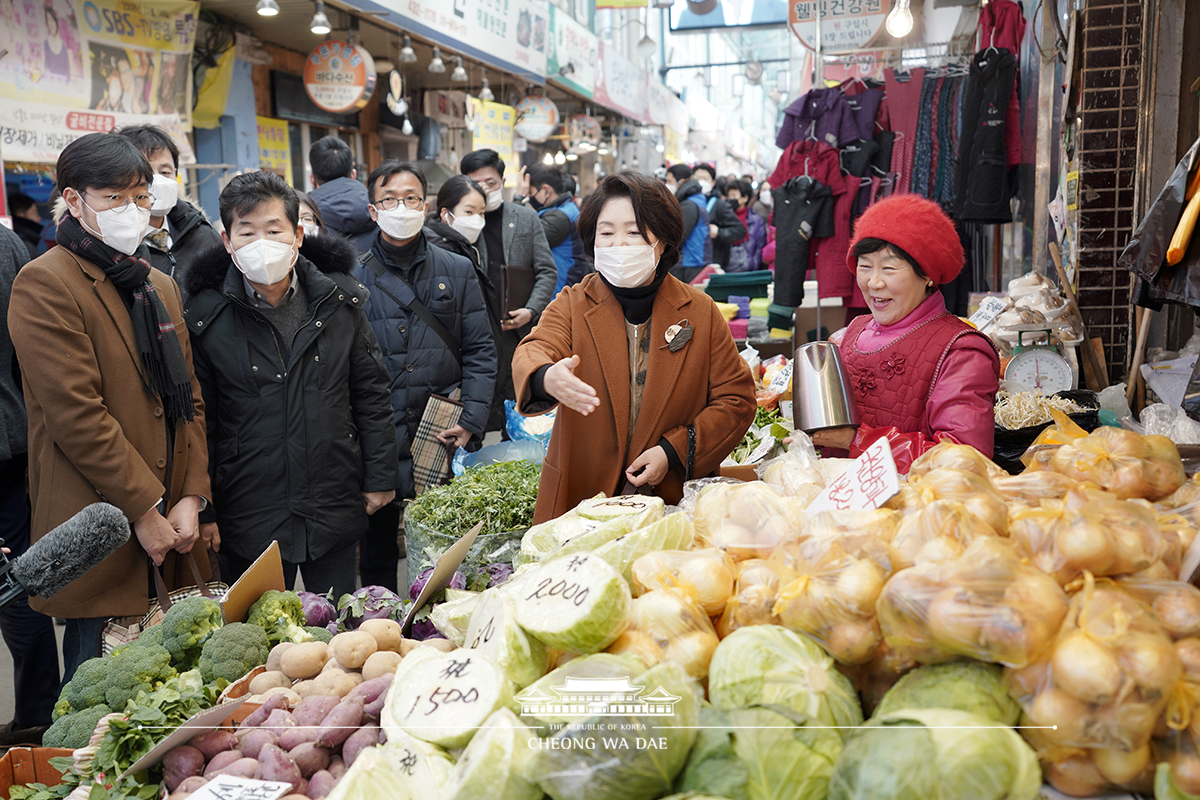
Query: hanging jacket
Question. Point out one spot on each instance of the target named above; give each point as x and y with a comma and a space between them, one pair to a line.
1002, 24
343, 205
191, 235
296, 431
695, 226
823, 115
562, 234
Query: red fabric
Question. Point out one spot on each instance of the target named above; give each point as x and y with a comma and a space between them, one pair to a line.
917, 226
832, 280
823, 164
906, 447
904, 109
1001, 24
743, 213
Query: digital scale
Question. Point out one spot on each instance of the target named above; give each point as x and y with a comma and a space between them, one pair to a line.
1039, 368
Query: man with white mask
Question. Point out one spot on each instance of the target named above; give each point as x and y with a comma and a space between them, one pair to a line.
178, 230
427, 309
300, 431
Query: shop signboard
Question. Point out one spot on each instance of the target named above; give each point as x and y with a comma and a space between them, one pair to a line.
664, 108
511, 35
339, 77
845, 24
537, 118
492, 127
583, 130
110, 56
673, 143
571, 54
620, 84
38, 133
274, 147
449, 108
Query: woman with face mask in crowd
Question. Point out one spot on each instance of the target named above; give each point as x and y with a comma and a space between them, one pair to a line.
456, 224
650, 387
310, 216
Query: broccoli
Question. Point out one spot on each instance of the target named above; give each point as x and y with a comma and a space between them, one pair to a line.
63, 706
281, 615
187, 626
89, 684
319, 634
232, 651
75, 730
152, 635
136, 669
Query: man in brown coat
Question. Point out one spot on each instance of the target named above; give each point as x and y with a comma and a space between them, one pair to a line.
115, 412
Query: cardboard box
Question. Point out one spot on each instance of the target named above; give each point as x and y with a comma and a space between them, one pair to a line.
240, 688
264, 574
741, 473
22, 765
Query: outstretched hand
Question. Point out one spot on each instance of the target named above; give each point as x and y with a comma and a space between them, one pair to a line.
561, 384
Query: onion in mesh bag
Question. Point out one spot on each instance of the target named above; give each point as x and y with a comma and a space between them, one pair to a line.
959, 457
746, 520
939, 532
975, 492
704, 575
1125, 463
754, 601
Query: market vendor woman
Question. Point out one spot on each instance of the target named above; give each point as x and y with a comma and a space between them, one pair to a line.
920, 374
652, 387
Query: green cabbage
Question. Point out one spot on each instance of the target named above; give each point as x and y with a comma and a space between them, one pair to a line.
622, 756
672, 532
495, 633
403, 769
494, 764
603, 509
695, 796
764, 753
452, 617
1165, 787
443, 699
591, 524
935, 754
576, 603
964, 685
771, 665
600, 665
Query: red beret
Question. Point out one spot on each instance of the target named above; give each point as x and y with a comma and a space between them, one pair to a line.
917, 226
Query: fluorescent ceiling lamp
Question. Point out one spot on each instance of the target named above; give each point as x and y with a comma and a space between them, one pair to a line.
267, 8
437, 65
407, 55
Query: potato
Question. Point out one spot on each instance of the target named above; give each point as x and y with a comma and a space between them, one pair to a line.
303, 660
386, 633
445, 645
303, 688
352, 649
336, 682
292, 697
380, 663
269, 680
277, 653
333, 666
408, 645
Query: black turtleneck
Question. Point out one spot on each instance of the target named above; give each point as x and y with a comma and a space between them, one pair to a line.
638, 302
400, 257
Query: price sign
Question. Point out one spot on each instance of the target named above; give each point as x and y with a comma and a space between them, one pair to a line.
869, 482
989, 309
231, 787
781, 382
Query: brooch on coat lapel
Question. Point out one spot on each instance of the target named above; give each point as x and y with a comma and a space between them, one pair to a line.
677, 336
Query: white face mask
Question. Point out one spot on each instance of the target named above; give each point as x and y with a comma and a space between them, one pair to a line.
705, 186
165, 192
765, 197
470, 227
311, 229
628, 266
265, 262
121, 229
400, 222
494, 200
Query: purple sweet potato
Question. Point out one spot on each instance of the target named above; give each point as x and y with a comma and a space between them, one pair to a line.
294, 737
310, 758
370, 690
320, 784
191, 784
222, 760
181, 762
214, 742
280, 720
252, 743
340, 723
276, 765
360, 740
337, 767
259, 715
374, 709
312, 709
243, 768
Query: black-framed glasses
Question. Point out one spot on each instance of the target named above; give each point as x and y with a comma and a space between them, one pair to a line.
412, 202
116, 202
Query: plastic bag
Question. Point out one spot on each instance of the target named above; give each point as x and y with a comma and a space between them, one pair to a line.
667, 625
882, 523
796, 472
1011, 445
746, 520
754, 601
1088, 530
523, 450
985, 605
960, 457
705, 576
1176, 604
1110, 674
939, 532
1178, 734
1112, 398
771, 369
1124, 463
975, 492
1169, 421
828, 591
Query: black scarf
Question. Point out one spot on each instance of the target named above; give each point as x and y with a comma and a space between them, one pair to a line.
637, 302
164, 370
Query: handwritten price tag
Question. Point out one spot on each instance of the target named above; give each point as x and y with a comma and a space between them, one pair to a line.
782, 381
989, 309
230, 787
869, 482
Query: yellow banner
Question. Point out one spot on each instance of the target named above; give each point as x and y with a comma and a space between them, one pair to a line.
492, 127
620, 4
274, 148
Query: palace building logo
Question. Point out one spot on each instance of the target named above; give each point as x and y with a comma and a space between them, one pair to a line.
597, 697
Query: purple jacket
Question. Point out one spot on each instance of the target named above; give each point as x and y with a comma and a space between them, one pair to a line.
825, 114
746, 255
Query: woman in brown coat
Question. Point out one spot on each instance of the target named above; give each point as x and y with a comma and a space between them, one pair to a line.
666, 401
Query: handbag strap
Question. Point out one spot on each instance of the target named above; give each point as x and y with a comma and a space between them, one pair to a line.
160, 586
384, 275
690, 467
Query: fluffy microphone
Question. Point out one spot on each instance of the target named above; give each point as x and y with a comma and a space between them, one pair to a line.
64, 554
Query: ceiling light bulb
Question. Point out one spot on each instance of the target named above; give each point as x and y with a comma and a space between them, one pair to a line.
486, 92
900, 20
437, 64
407, 127
559, 158
548, 160
407, 55
603, 151
320, 23
267, 8
459, 73
572, 157
646, 47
